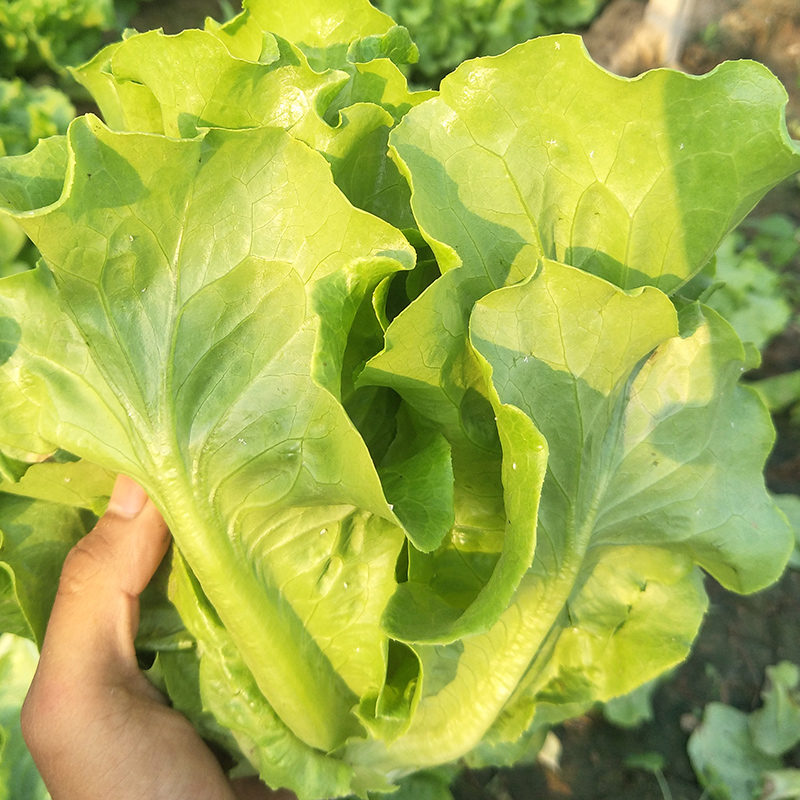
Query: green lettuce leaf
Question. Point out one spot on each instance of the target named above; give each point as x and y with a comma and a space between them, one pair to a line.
134, 363
177, 84
669, 471
781, 784
79, 484
775, 727
35, 537
19, 778
494, 228
328, 30
621, 522
241, 75
723, 755
27, 114
386, 562
541, 153
232, 695
51, 33
646, 478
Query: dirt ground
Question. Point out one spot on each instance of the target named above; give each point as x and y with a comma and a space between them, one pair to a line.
740, 636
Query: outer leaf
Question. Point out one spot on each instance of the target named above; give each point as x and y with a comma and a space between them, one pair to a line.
734, 530
659, 448
662, 438
633, 613
565, 361
142, 264
491, 195
540, 151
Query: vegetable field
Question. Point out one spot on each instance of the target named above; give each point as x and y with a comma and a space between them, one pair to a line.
470, 391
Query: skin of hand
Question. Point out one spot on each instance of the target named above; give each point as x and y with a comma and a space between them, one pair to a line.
95, 726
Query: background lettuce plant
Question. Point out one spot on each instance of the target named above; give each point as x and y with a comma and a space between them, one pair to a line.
417, 379
27, 114
737, 756
450, 31
754, 291
50, 34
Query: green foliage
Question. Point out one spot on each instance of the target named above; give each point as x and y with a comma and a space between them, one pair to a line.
19, 779
451, 31
442, 459
723, 755
781, 784
41, 516
737, 756
780, 392
27, 114
754, 296
775, 727
632, 709
50, 34
790, 505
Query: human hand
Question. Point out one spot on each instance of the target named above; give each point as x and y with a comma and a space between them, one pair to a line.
95, 726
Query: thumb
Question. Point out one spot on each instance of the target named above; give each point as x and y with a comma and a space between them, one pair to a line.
96, 611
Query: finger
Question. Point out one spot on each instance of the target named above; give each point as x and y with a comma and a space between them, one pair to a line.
96, 611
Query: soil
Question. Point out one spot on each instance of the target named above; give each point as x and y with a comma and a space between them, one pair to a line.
741, 635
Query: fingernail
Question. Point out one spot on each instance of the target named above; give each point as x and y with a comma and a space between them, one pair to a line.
127, 498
